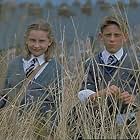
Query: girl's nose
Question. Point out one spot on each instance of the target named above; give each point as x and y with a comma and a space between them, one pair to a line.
36, 44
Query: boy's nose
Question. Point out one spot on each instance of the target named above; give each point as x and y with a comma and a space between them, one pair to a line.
112, 37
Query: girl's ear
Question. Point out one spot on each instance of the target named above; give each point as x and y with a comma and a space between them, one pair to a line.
125, 36
26, 43
50, 42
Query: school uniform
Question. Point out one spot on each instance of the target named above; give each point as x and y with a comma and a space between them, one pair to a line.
42, 89
98, 75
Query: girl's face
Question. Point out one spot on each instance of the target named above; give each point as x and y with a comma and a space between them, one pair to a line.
38, 42
113, 38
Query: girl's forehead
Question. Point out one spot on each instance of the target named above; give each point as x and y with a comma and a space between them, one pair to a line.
39, 32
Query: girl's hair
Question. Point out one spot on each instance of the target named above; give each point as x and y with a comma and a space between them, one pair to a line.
41, 25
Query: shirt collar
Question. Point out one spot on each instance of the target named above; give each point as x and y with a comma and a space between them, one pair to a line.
106, 54
41, 59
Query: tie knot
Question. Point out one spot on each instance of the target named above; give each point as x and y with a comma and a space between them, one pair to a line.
34, 60
111, 60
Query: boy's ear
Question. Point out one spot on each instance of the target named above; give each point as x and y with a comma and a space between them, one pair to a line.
100, 36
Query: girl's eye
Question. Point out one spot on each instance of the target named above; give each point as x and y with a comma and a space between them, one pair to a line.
41, 41
32, 40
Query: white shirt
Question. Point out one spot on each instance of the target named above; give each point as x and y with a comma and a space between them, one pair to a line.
41, 60
106, 54
84, 94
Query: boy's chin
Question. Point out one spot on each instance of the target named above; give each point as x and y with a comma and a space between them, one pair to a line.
113, 50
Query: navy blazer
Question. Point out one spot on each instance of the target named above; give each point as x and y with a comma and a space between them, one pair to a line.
124, 74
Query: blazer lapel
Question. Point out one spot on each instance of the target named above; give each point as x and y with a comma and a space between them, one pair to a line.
47, 74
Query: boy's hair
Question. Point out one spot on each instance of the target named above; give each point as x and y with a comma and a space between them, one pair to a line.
117, 20
41, 25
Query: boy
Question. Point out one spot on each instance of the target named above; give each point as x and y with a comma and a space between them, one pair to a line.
112, 72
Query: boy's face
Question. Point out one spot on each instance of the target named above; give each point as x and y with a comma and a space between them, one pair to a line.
113, 38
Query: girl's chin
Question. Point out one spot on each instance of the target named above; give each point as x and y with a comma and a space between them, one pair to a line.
36, 55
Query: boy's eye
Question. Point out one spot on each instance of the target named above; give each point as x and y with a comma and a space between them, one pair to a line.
117, 35
108, 35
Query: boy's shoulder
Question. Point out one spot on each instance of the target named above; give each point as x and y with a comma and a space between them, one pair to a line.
130, 59
92, 60
95, 57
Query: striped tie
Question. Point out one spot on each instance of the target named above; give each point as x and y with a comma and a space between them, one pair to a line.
30, 69
111, 60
